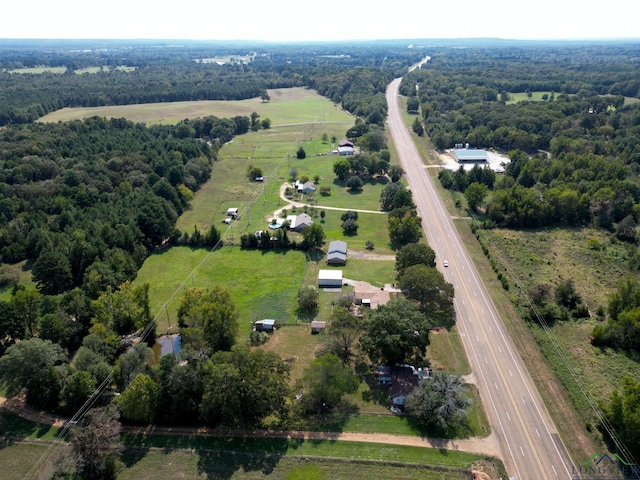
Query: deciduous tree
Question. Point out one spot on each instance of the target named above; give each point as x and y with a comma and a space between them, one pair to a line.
139, 401
324, 383
440, 402
211, 312
396, 333
242, 387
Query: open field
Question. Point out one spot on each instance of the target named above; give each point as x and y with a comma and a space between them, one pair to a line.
289, 105
535, 257
273, 151
39, 70
20, 271
262, 284
522, 96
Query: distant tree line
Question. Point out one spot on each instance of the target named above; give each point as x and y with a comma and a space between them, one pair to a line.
357, 82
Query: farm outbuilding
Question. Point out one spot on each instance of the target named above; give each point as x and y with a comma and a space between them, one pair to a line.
475, 155
330, 278
266, 325
337, 253
336, 258
317, 326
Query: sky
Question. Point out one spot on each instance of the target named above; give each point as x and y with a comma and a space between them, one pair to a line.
325, 20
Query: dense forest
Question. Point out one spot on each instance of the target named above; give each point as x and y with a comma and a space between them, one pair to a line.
86, 201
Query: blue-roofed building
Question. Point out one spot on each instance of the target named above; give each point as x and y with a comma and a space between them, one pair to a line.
475, 155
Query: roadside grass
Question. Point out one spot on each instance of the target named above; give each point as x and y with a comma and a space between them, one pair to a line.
557, 386
446, 350
545, 368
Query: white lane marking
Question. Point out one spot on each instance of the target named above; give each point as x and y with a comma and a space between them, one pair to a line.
510, 373
486, 361
522, 451
508, 416
496, 385
477, 338
538, 433
500, 349
554, 470
523, 401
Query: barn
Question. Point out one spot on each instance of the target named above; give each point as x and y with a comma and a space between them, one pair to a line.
330, 278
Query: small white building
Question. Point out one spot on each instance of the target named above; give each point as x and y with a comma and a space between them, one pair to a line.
330, 278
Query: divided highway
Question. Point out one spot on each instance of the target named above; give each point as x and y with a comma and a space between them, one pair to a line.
530, 444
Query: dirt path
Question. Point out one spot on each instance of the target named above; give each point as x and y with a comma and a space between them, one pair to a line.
482, 446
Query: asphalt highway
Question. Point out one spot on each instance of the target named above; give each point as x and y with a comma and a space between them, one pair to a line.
528, 439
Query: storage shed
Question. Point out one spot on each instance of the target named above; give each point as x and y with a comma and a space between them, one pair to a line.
266, 325
330, 278
317, 326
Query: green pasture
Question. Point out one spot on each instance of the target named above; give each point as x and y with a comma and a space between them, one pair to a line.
262, 284
39, 70
287, 106
18, 458
522, 96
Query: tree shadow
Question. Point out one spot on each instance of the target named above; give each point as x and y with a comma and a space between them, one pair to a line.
246, 455
131, 455
378, 394
331, 422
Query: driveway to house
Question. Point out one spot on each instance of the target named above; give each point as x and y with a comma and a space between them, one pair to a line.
292, 203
